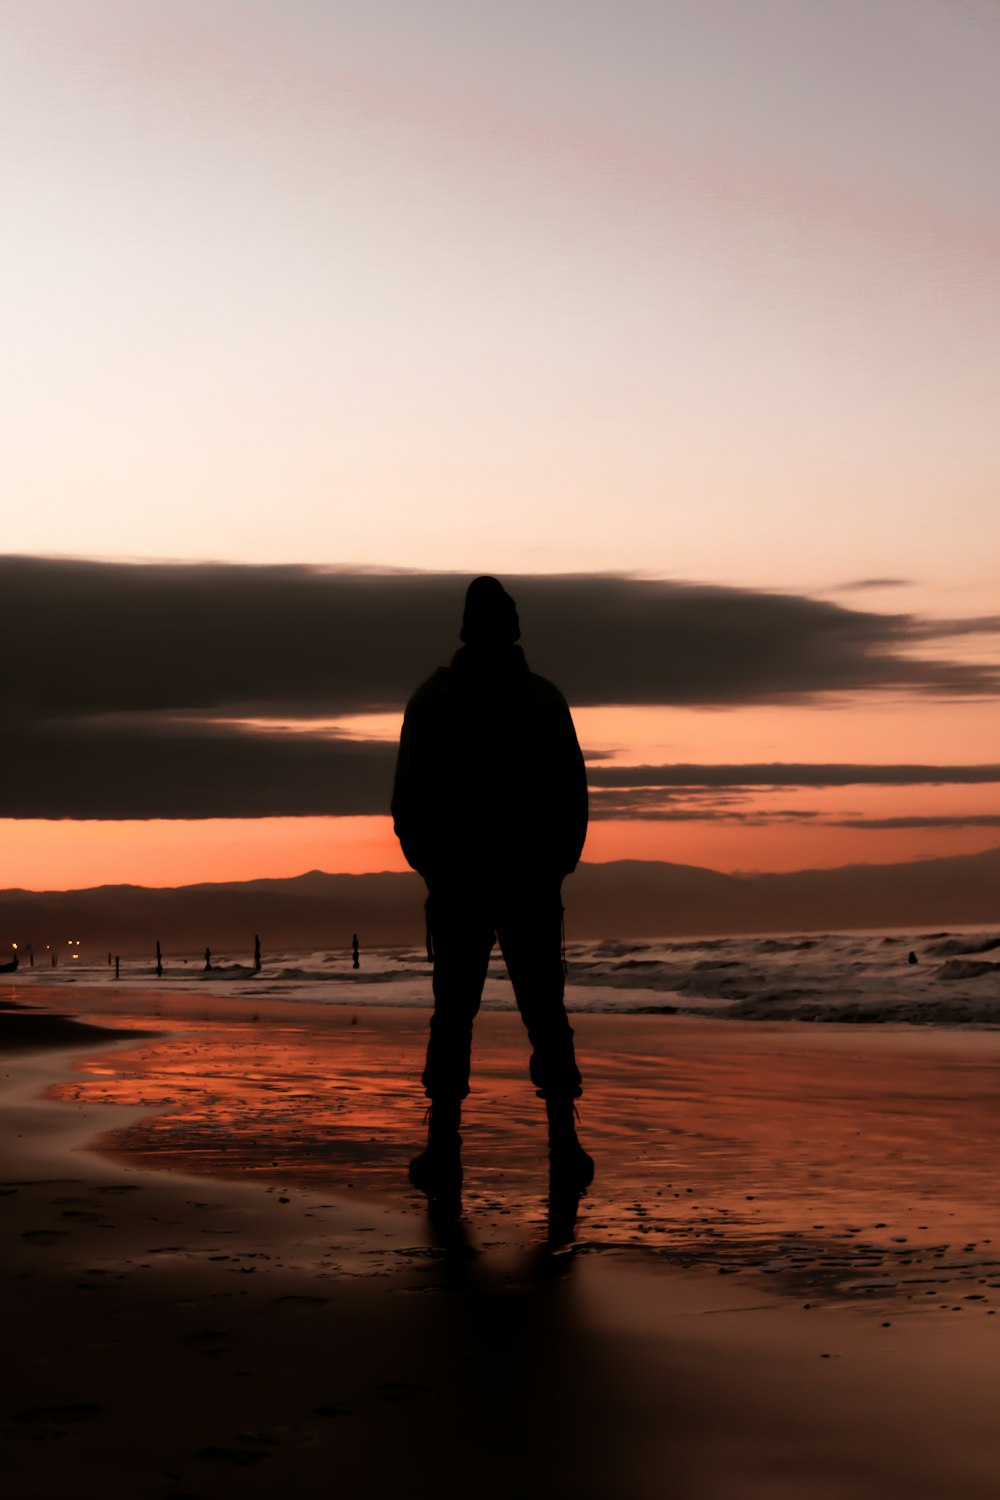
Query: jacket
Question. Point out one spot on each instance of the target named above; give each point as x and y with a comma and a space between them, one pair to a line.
490, 781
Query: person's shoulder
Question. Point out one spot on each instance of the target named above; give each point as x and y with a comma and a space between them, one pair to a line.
546, 693
434, 690
543, 688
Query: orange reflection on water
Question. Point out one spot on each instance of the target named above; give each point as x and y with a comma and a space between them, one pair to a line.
249, 1097
852, 1152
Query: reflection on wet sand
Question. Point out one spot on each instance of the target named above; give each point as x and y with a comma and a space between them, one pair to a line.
303, 1339
831, 1164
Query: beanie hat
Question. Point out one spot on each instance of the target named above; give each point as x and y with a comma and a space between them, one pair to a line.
490, 617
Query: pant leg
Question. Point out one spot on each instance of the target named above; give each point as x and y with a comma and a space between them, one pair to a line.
462, 934
529, 927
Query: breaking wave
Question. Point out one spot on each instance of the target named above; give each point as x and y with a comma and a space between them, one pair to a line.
849, 978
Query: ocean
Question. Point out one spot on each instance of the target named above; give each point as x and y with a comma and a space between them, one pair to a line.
847, 977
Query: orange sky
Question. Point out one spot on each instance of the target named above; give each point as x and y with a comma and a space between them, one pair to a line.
711, 297
40, 855
879, 728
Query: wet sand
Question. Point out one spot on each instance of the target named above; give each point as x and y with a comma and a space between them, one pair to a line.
783, 1282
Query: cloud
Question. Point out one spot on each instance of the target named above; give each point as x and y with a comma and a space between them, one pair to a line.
956, 820
683, 805
105, 637
150, 766
653, 805
119, 678
943, 629
156, 769
784, 774
858, 585
689, 793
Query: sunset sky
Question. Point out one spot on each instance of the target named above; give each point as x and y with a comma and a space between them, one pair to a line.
680, 317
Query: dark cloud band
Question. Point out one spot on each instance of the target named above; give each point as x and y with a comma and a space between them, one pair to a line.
944, 820
150, 766
96, 637
88, 770
784, 774
119, 678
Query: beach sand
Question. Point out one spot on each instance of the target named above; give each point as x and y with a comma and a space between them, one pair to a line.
217, 1281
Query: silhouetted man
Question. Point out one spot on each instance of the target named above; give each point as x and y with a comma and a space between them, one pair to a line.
490, 806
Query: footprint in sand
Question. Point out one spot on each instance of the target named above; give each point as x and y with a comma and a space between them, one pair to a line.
400, 1390
249, 1448
212, 1342
44, 1236
241, 1456
76, 1411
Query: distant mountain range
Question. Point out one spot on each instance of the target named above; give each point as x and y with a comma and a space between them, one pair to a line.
626, 898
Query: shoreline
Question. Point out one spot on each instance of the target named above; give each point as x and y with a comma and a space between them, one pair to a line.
338, 1333
944, 980
717, 1144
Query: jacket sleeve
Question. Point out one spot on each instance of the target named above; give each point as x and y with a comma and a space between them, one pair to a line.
407, 799
573, 800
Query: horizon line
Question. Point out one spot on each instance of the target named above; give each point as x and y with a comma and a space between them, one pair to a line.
107, 885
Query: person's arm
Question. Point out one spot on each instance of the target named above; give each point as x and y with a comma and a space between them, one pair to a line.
577, 798
573, 800
406, 795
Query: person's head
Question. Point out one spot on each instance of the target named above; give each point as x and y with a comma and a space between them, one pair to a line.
490, 617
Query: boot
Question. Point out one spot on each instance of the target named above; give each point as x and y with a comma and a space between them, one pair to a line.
571, 1168
437, 1171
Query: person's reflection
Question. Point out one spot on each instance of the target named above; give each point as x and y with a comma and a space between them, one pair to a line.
562, 1208
514, 1365
456, 1252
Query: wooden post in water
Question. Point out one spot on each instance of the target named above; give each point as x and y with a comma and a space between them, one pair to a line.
159, 960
